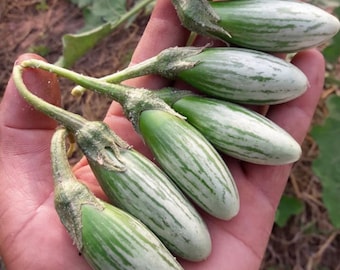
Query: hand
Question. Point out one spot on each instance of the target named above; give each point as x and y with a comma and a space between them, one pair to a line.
31, 235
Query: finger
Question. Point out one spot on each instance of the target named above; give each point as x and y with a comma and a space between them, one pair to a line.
295, 117
26, 132
26, 180
16, 112
25, 135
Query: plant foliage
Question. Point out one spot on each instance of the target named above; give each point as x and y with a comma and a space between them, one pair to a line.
326, 165
332, 51
289, 206
98, 12
101, 18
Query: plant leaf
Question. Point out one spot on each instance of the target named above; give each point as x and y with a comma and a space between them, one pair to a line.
326, 165
97, 15
97, 12
332, 51
288, 207
102, 17
82, 3
76, 45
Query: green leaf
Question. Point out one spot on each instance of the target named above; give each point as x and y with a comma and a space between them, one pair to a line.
42, 6
289, 206
39, 49
326, 165
97, 12
332, 51
76, 45
107, 15
82, 3
98, 16
109, 10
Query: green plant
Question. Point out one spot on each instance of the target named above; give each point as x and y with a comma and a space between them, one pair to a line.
325, 165
101, 18
289, 206
39, 49
42, 6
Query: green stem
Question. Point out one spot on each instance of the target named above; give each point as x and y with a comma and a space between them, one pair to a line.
198, 16
69, 120
93, 137
69, 193
144, 68
61, 168
167, 63
115, 91
126, 96
171, 95
133, 11
133, 100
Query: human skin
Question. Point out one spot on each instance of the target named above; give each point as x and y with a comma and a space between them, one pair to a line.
31, 234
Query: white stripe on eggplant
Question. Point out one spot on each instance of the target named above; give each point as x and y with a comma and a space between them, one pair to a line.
129, 244
245, 76
191, 162
98, 229
239, 132
146, 192
276, 26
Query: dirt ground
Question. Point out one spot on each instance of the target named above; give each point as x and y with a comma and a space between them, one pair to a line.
307, 242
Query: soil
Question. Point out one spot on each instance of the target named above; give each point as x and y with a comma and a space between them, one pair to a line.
308, 241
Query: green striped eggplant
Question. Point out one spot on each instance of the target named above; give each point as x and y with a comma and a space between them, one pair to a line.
275, 26
144, 191
113, 239
191, 161
244, 76
106, 236
239, 132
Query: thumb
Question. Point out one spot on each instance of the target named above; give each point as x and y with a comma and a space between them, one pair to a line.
16, 112
28, 216
25, 134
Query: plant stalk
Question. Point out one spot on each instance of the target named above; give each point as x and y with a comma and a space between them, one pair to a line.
70, 120
167, 64
95, 135
133, 100
69, 193
117, 92
133, 11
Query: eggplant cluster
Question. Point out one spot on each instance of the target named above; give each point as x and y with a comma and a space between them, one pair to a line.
155, 214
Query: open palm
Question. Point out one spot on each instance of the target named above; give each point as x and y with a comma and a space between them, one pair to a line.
31, 235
